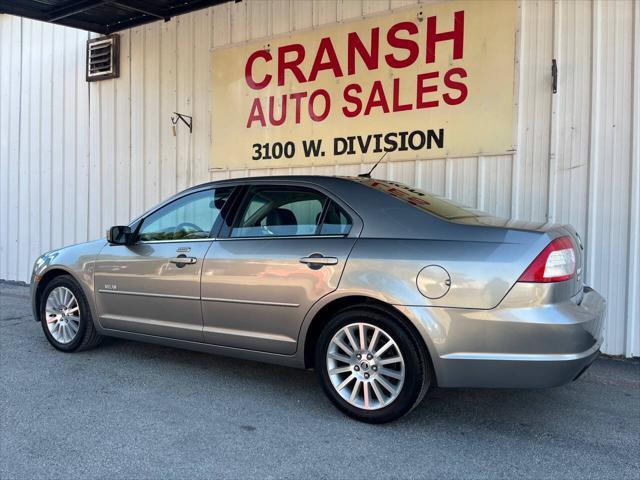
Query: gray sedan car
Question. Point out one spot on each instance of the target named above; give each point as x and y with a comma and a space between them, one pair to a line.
383, 289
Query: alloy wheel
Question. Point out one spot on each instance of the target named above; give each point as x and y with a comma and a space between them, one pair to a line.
62, 315
365, 366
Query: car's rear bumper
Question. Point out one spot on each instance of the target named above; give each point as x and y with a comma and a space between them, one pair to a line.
513, 370
536, 345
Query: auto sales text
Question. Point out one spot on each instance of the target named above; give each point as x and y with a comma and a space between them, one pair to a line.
429, 88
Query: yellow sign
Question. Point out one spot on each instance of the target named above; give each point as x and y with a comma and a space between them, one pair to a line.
427, 82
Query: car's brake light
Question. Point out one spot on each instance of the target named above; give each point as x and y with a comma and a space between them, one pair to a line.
557, 262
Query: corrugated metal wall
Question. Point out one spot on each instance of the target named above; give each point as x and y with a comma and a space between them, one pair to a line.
76, 158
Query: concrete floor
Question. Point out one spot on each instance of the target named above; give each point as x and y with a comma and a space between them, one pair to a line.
130, 410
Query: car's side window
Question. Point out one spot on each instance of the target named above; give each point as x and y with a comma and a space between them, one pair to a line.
336, 221
188, 218
285, 211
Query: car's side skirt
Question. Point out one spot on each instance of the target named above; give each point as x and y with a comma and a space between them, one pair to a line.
295, 361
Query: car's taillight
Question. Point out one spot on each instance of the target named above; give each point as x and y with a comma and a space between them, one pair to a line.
557, 262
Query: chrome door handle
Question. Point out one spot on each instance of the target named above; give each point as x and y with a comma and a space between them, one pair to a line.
182, 260
318, 260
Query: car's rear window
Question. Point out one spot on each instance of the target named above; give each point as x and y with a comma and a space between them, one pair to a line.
419, 199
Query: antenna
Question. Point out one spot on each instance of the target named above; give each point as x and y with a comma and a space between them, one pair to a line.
368, 174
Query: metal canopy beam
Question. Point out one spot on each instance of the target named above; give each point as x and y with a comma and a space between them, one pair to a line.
103, 16
145, 8
20, 11
73, 8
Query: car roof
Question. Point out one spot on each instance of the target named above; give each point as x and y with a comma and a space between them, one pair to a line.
383, 215
316, 179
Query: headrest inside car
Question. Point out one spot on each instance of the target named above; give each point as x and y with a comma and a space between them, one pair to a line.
217, 203
281, 216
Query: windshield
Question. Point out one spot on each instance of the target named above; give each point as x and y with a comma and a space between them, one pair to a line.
425, 201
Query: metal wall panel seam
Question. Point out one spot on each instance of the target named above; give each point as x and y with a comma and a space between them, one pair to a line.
552, 157
24, 148
632, 322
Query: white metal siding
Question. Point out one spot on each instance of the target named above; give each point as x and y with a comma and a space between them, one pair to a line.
77, 157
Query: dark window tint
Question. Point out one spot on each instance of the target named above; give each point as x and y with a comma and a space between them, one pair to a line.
425, 201
280, 211
336, 221
190, 217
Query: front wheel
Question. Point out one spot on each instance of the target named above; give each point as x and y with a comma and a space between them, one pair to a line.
65, 316
371, 366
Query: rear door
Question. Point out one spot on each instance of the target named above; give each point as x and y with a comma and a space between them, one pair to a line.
286, 248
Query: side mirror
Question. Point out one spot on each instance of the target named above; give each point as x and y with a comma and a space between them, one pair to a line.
120, 235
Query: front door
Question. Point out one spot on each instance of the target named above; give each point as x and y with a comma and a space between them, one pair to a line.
287, 249
153, 286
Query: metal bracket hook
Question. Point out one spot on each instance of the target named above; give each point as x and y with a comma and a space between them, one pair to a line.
188, 120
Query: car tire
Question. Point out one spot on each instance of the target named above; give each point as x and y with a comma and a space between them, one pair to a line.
79, 333
372, 365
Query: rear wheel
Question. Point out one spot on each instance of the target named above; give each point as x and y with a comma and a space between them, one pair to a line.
65, 316
371, 366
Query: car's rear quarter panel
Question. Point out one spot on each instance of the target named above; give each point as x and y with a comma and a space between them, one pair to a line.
482, 272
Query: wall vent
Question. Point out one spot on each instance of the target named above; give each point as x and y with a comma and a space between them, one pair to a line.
103, 57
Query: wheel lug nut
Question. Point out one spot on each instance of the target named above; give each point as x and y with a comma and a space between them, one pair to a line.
358, 356
356, 368
369, 356
374, 368
366, 375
